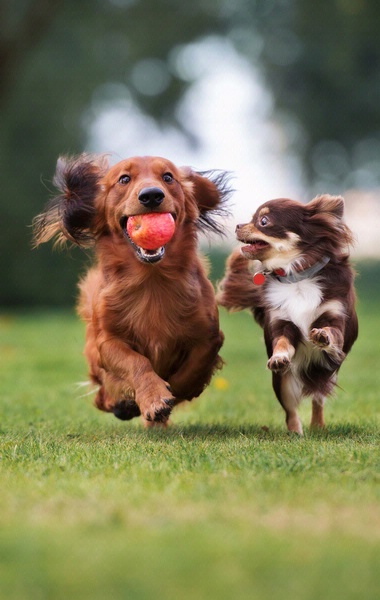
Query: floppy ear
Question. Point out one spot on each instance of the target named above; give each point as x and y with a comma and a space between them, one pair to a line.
70, 215
334, 205
211, 192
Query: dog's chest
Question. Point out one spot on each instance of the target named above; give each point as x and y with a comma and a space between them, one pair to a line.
296, 302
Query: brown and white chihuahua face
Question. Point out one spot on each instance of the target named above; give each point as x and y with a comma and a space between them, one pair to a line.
272, 235
284, 232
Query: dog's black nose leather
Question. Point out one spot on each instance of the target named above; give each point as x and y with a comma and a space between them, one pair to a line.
151, 197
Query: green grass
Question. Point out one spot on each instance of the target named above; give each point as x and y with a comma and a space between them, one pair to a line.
224, 504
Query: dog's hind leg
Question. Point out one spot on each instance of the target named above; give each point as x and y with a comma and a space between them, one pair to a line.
196, 372
317, 419
325, 388
288, 390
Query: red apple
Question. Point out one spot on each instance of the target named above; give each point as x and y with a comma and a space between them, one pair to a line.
151, 230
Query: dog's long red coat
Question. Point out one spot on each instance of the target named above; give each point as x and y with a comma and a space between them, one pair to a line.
152, 329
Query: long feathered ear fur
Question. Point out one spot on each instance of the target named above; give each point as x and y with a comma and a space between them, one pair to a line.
211, 191
325, 222
70, 215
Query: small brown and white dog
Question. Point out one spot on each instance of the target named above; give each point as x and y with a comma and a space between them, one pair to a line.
301, 292
152, 337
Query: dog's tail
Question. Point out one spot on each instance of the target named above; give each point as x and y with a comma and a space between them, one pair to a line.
237, 291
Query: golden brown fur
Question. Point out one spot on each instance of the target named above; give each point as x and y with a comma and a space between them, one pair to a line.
153, 333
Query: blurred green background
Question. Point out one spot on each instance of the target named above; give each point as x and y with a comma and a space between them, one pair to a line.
65, 63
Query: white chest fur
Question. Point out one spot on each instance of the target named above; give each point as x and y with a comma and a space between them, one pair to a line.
295, 302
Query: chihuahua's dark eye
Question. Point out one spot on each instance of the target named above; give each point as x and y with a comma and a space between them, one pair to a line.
124, 179
264, 221
167, 177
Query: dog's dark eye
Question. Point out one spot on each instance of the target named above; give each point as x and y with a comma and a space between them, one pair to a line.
124, 179
167, 177
264, 221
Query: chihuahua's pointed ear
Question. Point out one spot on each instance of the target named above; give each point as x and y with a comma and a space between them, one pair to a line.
70, 215
333, 205
211, 192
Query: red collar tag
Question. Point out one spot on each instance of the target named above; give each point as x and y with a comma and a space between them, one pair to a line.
259, 278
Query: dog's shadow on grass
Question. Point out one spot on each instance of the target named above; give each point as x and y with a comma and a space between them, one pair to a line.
219, 431
201, 432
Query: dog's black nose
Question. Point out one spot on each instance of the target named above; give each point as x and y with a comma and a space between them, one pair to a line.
151, 197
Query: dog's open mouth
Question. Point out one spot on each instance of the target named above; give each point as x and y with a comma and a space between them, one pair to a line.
149, 256
143, 254
252, 247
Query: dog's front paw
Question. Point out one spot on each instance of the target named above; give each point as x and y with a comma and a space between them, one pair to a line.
160, 410
279, 363
320, 337
126, 410
329, 341
156, 403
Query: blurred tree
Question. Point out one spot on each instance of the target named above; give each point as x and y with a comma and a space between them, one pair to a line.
322, 63
54, 56
320, 59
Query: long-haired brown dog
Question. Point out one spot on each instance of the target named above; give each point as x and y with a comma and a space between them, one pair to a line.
301, 292
153, 334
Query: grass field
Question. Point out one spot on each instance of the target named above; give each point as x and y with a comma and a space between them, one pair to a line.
224, 504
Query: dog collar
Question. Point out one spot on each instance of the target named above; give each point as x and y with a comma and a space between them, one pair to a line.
259, 278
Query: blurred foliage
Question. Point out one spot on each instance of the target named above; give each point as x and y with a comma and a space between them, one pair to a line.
322, 63
368, 283
57, 58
